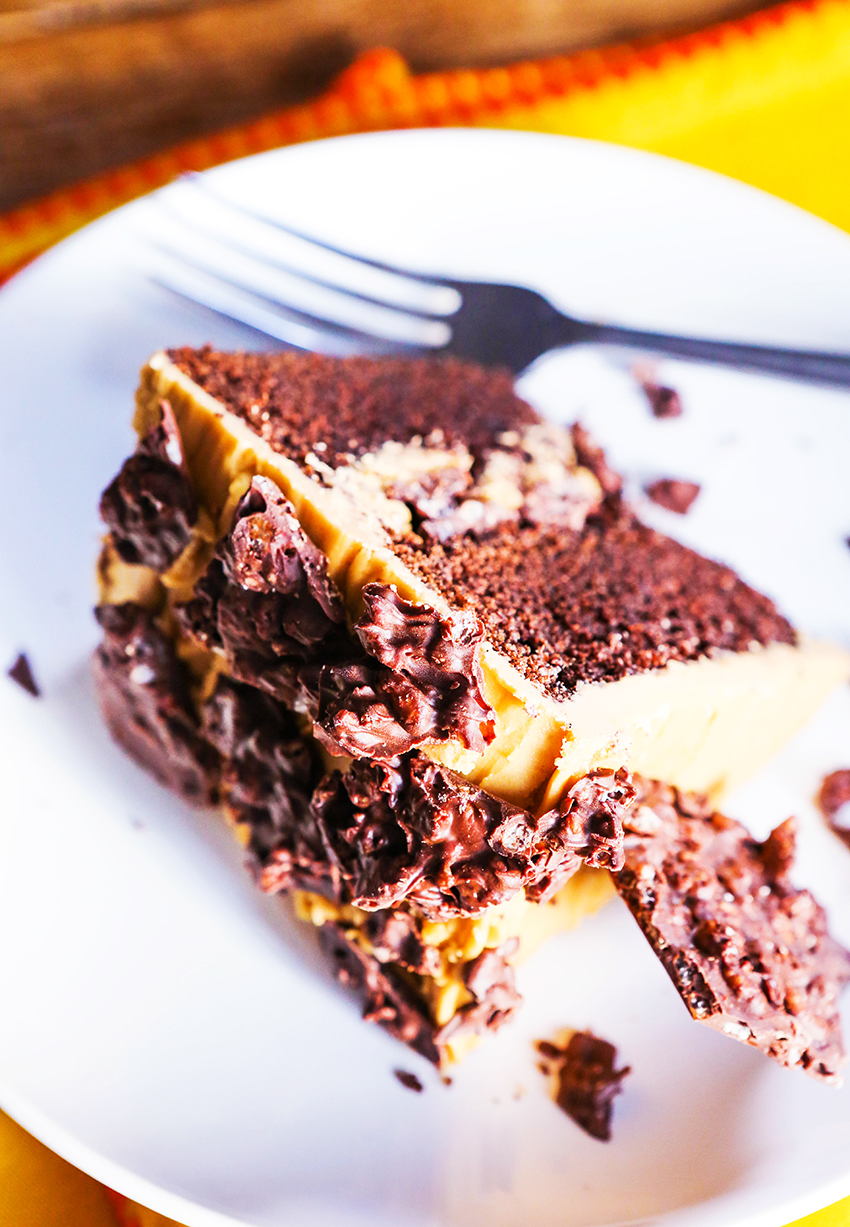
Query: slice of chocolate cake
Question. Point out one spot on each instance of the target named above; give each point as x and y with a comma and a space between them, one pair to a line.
411, 638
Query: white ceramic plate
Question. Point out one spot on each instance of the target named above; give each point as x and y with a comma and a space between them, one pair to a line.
175, 1033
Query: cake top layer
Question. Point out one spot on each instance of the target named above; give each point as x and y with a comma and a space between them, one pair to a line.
343, 407
616, 598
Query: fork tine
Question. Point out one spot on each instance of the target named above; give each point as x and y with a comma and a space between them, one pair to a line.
337, 308
293, 327
418, 292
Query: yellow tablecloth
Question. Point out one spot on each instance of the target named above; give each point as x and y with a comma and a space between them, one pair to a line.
765, 99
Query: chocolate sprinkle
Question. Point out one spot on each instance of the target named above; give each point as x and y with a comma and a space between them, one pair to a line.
408, 1080
749, 954
673, 494
21, 672
587, 1081
833, 797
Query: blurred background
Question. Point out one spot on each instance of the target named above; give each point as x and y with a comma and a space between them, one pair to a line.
86, 85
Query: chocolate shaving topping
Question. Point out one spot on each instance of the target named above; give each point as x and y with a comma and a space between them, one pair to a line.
834, 802
21, 672
395, 938
429, 687
587, 1081
664, 402
673, 494
411, 830
143, 688
300, 403
150, 507
615, 599
749, 954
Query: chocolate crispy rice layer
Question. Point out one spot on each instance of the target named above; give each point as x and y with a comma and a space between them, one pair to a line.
565, 605
748, 952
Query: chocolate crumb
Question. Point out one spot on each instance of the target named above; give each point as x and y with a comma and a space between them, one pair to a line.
587, 1080
409, 1080
673, 494
832, 799
21, 672
664, 402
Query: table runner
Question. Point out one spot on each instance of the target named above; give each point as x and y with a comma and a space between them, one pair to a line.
765, 99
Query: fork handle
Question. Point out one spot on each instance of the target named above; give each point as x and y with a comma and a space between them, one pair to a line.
798, 363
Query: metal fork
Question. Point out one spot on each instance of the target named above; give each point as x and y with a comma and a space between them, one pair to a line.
312, 295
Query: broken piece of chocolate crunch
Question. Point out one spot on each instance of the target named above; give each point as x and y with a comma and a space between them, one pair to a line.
587, 1081
21, 672
749, 953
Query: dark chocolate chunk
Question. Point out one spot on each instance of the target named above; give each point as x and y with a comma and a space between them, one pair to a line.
750, 954
21, 672
266, 599
587, 1081
144, 693
664, 402
408, 1080
616, 599
834, 802
673, 494
387, 997
411, 830
150, 507
428, 689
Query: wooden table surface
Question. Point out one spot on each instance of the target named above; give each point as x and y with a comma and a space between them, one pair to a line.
86, 85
